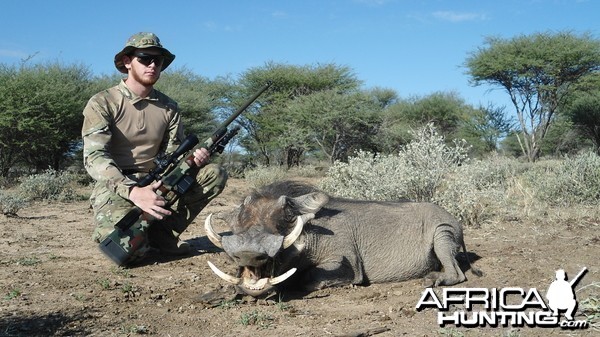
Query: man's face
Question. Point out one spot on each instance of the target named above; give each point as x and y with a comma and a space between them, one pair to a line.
144, 65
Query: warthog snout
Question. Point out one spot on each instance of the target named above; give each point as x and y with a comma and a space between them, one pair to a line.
252, 259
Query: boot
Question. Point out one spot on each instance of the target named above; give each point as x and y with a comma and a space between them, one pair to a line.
166, 242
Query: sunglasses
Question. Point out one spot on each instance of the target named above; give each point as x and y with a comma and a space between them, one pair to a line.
148, 59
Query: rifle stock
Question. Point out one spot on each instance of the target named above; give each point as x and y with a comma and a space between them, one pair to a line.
129, 234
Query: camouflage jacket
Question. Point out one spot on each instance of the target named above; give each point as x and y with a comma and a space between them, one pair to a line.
123, 133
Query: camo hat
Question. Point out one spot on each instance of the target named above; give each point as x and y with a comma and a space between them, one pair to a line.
139, 41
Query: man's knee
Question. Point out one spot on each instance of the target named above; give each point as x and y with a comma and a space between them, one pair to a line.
109, 208
212, 178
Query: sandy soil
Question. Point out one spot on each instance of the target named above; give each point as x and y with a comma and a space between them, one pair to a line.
55, 282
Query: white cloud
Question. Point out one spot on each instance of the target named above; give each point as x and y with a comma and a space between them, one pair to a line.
459, 16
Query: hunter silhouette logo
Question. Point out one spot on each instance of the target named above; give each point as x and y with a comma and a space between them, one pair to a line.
511, 306
561, 294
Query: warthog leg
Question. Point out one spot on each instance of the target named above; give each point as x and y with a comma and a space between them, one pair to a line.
336, 272
445, 247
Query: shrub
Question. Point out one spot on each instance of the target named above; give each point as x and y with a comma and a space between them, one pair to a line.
11, 204
4, 182
430, 159
415, 173
367, 176
307, 171
477, 189
50, 185
264, 175
574, 180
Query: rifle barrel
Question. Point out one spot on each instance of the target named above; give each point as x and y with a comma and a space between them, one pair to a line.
246, 105
578, 276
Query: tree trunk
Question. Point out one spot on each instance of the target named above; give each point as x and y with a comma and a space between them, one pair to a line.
293, 155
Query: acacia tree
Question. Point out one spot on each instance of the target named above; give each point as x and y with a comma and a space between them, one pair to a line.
40, 113
585, 114
197, 97
537, 72
583, 109
266, 123
483, 127
454, 118
335, 124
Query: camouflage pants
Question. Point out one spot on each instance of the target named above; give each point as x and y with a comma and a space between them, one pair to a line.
109, 207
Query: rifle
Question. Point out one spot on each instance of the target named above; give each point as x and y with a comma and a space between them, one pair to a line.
174, 172
577, 277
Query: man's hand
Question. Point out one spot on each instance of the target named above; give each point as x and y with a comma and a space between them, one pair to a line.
148, 201
201, 157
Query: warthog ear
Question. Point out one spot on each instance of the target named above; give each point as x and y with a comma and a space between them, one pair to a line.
310, 203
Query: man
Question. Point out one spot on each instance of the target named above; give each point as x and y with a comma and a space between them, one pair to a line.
125, 127
561, 295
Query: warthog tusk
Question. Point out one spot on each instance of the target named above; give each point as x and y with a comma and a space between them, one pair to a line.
223, 275
213, 236
282, 277
252, 284
295, 233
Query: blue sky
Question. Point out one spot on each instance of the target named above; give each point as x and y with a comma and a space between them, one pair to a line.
415, 47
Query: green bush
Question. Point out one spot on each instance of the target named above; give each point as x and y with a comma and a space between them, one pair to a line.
50, 185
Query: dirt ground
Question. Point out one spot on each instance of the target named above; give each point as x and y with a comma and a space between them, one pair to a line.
55, 282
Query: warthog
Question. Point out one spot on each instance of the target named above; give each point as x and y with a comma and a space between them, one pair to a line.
291, 228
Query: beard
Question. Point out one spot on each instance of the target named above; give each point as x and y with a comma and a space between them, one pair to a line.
146, 80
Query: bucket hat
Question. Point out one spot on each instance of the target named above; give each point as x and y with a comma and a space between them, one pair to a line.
140, 41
